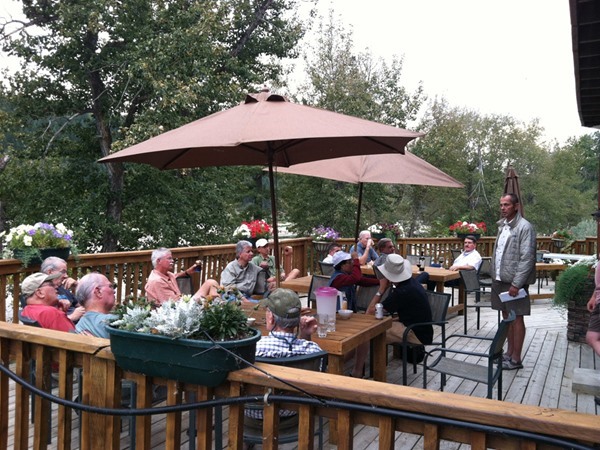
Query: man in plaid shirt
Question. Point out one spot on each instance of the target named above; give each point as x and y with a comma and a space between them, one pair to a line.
283, 319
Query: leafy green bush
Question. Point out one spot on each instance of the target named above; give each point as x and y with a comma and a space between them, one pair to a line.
575, 284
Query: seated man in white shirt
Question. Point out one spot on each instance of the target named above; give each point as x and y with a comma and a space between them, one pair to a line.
469, 259
331, 250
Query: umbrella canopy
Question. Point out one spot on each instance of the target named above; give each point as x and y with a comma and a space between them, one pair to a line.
384, 168
269, 130
511, 186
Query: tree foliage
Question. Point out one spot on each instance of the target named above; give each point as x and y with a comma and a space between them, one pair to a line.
100, 76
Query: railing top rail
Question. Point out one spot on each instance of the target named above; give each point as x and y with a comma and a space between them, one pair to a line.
550, 421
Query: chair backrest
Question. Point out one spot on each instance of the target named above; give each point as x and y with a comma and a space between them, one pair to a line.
438, 303
539, 256
261, 283
470, 280
185, 285
485, 268
364, 295
414, 259
455, 253
28, 321
317, 362
316, 282
497, 347
326, 268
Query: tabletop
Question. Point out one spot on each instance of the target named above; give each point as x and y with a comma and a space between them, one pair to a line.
437, 274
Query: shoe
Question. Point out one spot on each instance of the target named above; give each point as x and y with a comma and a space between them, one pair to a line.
511, 365
506, 357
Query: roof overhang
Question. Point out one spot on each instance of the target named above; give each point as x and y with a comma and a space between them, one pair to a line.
585, 29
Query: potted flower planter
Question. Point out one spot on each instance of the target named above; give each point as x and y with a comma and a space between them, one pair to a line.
574, 287
185, 360
321, 246
62, 253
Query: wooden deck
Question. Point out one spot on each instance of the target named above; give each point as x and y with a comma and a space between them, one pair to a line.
549, 361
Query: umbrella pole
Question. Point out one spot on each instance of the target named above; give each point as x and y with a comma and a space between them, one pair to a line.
356, 230
274, 218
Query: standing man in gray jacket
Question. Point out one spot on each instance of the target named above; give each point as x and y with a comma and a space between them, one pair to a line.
513, 268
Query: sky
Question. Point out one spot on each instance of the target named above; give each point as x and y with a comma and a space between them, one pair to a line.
509, 57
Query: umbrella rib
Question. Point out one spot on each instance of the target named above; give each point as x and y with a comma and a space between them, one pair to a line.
178, 155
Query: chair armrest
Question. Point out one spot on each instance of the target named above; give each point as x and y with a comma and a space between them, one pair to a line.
468, 336
456, 352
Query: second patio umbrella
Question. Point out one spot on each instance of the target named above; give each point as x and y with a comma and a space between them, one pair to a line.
511, 186
268, 130
386, 168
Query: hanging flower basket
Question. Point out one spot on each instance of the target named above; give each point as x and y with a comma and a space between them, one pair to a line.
186, 360
321, 246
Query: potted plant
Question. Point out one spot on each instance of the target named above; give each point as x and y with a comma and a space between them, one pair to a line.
574, 288
462, 228
382, 230
323, 236
560, 237
253, 231
190, 340
33, 243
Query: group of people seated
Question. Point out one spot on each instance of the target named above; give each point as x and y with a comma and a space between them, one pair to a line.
49, 299
59, 302
401, 294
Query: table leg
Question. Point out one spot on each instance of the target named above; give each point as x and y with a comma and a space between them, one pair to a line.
439, 286
379, 358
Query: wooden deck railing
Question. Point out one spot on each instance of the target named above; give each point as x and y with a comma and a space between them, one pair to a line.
131, 269
435, 415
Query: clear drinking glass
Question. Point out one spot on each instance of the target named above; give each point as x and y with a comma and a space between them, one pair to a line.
323, 325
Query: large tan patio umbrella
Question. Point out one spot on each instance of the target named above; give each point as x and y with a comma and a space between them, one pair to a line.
385, 168
511, 186
266, 129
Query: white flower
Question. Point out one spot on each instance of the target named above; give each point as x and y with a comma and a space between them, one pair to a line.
242, 230
375, 228
27, 240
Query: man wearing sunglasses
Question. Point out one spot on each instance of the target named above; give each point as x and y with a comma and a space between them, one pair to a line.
42, 302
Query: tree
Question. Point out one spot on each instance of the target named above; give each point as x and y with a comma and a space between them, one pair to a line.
99, 76
340, 79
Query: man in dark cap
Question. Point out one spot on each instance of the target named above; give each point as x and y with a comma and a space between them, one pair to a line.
284, 323
42, 302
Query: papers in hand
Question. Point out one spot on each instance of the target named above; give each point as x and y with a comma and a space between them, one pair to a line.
506, 297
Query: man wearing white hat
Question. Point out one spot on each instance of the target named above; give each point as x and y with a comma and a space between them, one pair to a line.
267, 262
408, 299
42, 302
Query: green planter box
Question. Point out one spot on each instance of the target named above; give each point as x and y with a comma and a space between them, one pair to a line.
185, 360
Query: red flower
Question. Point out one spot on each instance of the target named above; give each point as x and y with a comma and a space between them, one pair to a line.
258, 228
